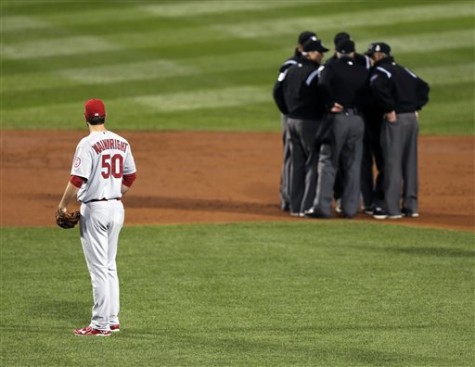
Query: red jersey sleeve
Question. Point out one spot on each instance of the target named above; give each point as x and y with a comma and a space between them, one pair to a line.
128, 180
77, 181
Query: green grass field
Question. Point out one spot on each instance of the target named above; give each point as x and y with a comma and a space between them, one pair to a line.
211, 65
309, 294
335, 293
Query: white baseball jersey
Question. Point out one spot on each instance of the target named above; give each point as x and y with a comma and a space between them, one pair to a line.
102, 158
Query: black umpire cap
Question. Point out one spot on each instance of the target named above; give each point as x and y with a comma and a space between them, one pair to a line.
378, 47
314, 44
304, 36
341, 37
345, 47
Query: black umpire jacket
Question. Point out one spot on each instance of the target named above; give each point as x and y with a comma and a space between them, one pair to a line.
296, 93
295, 59
360, 59
396, 88
371, 112
345, 82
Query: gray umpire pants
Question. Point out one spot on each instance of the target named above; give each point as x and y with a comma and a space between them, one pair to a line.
343, 148
399, 147
304, 158
286, 163
371, 184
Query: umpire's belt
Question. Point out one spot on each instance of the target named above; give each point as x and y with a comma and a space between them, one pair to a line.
350, 111
104, 199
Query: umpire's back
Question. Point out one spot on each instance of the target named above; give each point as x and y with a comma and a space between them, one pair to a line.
346, 83
405, 91
300, 91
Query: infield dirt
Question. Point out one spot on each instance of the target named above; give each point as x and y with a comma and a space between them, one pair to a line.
200, 177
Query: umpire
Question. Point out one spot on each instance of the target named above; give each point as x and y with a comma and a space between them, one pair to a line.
344, 86
367, 158
400, 94
285, 172
363, 60
296, 95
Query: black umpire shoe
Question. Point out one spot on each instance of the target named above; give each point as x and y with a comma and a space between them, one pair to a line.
312, 213
409, 213
369, 210
381, 214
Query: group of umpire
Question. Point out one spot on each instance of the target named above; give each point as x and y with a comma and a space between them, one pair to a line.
343, 121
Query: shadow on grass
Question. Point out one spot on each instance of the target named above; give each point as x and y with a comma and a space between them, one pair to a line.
75, 312
424, 251
433, 251
308, 342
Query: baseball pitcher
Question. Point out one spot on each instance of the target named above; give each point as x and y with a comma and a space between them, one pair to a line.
103, 170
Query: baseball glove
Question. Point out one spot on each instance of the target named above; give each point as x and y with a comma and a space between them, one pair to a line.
67, 220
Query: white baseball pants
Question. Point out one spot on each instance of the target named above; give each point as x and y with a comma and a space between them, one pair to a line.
100, 224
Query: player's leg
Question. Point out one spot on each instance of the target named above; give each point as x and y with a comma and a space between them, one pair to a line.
378, 198
327, 167
115, 226
367, 174
285, 174
351, 156
308, 137
410, 169
391, 143
297, 170
94, 240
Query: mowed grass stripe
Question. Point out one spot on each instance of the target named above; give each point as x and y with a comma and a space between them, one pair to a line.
368, 17
197, 8
111, 73
436, 41
225, 109
173, 53
164, 63
448, 117
241, 12
165, 69
223, 97
404, 28
437, 67
62, 46
192, 100
16, 23
444, 75
443, 40
181, 43
184, 36
124, 13
67, 18
221, 62
143, 70
131, 88
461, 78
428, 59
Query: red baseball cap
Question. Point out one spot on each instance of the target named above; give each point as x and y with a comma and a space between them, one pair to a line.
94, 108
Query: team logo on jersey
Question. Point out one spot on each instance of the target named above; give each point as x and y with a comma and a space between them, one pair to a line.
77, 162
